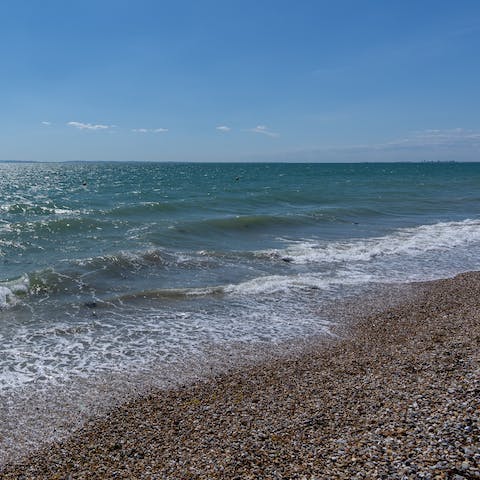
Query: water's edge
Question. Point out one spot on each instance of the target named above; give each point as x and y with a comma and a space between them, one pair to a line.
32, 419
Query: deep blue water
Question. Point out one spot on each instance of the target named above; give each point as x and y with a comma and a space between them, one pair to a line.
109, 266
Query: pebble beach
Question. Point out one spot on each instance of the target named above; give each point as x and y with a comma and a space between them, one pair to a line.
395, 396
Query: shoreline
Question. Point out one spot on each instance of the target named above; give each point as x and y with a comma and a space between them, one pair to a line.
395, 398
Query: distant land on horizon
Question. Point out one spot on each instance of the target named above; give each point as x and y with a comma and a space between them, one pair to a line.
239, 162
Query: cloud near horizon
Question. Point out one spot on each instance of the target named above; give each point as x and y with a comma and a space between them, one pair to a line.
437, 138
422, 140
223, 128
456, 144
89, 126
150, 130
264, 130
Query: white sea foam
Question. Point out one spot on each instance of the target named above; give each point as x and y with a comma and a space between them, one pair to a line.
391, 258
110, 340
26, 206
405, 241
10, 290
6, 297
312, 281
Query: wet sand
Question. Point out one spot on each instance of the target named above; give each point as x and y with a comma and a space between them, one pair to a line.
397, 396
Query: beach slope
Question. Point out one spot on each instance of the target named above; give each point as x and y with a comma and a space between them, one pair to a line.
397, 397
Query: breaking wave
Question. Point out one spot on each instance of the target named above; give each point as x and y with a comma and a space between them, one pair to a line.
405, 241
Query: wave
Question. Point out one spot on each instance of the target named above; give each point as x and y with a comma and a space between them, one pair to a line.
405, 241
28, 208
241, 223
76, 276
171, 293
345, 262
272, 284
134, 261
142, 208
268, 284
58, 225
301, 217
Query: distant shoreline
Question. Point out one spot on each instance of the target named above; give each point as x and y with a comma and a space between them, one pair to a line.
246, 162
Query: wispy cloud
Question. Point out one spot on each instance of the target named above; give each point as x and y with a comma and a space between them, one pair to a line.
264, 130
150, 130
47, 124
429, 139
223, 128
89, 126
435, 138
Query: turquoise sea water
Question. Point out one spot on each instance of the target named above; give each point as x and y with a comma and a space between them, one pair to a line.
108, 267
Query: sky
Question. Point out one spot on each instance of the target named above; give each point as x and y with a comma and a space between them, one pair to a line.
240, 80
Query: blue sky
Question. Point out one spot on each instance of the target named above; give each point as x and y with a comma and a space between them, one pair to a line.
239, 80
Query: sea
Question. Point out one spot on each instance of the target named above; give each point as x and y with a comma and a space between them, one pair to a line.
115, 275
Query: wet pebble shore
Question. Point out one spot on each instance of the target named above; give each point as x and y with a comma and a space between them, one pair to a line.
396, 398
